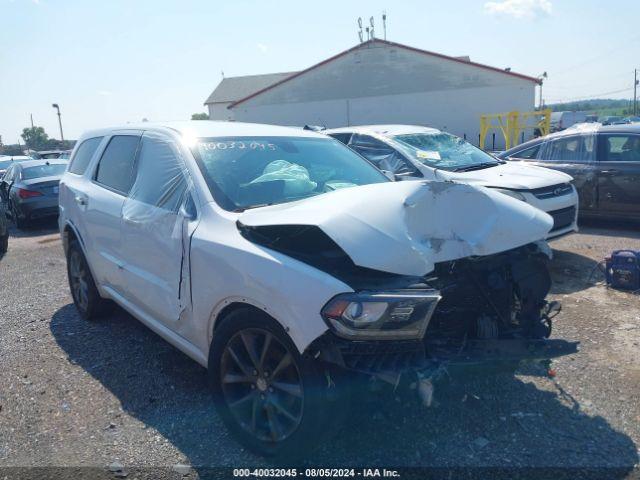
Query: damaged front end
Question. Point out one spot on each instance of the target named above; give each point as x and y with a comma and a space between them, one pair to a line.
491, 311
431, 289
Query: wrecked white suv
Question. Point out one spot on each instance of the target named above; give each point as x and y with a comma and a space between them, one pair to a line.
281, 260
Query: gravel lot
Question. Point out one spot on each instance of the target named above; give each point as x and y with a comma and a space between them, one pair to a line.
77, 394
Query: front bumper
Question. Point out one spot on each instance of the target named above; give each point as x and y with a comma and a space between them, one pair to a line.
388, 359
563, 210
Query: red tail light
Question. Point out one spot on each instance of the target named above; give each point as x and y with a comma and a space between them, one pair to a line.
22, 193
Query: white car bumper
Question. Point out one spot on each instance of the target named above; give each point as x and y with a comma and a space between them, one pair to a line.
563, 209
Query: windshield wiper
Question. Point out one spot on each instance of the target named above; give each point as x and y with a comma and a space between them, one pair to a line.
242, 209
478, 166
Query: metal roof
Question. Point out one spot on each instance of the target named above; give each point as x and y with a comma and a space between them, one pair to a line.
231, 89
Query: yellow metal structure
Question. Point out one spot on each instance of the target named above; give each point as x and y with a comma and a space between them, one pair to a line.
513, 124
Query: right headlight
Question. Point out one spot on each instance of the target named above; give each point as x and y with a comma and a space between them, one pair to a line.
381, 315
511, 193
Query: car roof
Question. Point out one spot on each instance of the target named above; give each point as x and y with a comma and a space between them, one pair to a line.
44, 161
14, 157
209, 128
384, 130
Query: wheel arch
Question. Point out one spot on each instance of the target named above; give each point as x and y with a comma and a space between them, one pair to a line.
230, 305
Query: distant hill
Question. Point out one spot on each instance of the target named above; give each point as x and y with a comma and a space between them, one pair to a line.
599, 106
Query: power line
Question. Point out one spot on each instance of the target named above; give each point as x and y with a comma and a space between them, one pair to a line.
586, 97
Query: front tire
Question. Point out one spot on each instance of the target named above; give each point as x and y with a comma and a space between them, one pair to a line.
87, 299
269, 396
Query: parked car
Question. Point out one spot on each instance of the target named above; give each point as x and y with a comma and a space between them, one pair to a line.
414, 153
30, 189
612, 120
289, 263
4, 230
562, 120
603, 160
50, 154
632, 119
6, 161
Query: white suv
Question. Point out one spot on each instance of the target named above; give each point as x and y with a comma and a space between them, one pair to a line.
412, 152
280, 259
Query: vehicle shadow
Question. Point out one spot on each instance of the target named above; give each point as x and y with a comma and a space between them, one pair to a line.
610, 228
572, 272
503, 421
36, 228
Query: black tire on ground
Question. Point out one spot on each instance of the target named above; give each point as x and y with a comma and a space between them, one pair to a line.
273, 400
4, 244
21, 223
85, 295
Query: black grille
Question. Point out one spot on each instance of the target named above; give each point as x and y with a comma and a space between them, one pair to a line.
563, 218
553, 191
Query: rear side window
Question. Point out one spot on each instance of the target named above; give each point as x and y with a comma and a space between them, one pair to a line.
83, 155
115, 169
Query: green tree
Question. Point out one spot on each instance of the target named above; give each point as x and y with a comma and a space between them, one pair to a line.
199, 116
35, 138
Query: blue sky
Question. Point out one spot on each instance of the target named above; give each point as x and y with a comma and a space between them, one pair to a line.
108, 62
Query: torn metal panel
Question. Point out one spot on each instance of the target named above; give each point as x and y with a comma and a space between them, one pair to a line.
407, 227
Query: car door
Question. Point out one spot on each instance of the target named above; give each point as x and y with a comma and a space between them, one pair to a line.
618, 170
5, 184
157, 222
101, 206
383, 156
572, 154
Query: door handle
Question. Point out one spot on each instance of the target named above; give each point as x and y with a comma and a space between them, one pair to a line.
609, 172
81, 200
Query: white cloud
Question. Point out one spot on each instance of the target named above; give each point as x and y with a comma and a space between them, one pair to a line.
519, 8
262, 47
104, 93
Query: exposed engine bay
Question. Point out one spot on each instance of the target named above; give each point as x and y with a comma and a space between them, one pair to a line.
492, 308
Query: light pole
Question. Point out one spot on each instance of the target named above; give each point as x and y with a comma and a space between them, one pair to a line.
541, 79
57, 107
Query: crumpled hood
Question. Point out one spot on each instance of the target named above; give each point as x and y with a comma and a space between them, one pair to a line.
514, 175
407, 227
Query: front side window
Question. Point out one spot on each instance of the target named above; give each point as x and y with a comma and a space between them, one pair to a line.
621, 148
115, 169
40, 171
246, 172
161, 179
444, 151
83, 155
578, 148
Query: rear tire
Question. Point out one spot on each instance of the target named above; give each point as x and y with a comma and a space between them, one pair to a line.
85, 295
271, 398
4, 244
21, 223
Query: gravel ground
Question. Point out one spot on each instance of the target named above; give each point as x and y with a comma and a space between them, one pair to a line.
114, 397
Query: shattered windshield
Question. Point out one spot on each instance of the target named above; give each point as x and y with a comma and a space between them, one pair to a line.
445, 151
247, 172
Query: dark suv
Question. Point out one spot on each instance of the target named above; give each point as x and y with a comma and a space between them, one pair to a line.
603, 160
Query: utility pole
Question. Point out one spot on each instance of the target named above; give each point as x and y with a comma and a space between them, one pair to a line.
31, 115
57, 107
635, 91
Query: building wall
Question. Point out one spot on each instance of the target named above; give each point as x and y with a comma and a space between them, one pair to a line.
219, 111
384, 84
